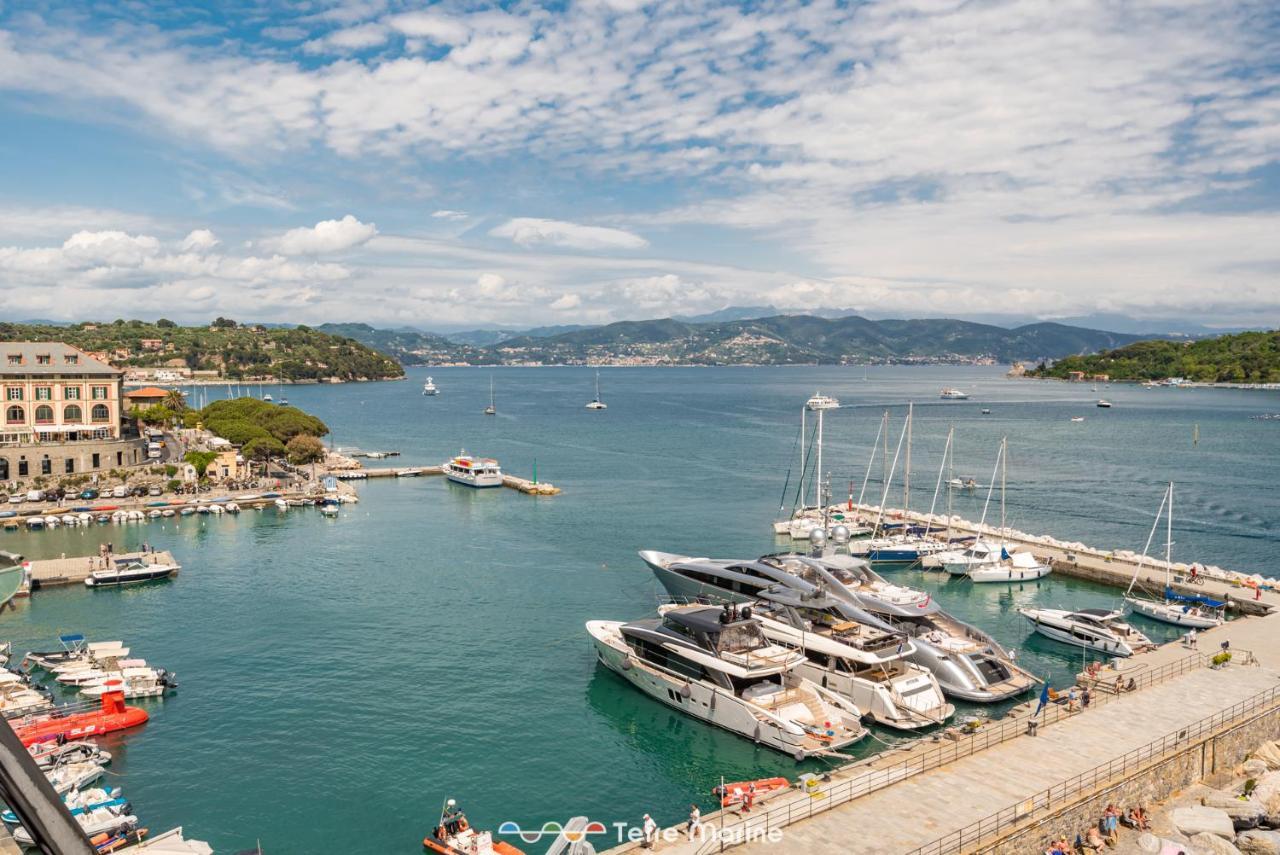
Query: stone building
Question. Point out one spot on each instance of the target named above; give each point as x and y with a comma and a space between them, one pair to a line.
61, 413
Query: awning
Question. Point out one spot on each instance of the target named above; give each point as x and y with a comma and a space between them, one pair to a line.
70, 428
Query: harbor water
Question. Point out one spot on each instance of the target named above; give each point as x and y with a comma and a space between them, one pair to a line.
341, 677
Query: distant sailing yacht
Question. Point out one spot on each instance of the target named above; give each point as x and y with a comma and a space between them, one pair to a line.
596, 403
492, 409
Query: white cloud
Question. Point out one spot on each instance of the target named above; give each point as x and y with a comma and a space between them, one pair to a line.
445, 214
566, 302
531, 231
357, 38
325, 237
109, 248
427, 25
199, 240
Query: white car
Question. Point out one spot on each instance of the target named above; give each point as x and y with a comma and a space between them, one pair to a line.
120, 492
154, 491
16, 499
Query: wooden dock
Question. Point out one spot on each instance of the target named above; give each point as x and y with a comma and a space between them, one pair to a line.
45, 572
514, 482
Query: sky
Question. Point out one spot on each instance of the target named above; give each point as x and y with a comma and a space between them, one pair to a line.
447, 165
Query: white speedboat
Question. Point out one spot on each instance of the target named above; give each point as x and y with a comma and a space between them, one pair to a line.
69, 777
473, 471
1102, 630
1193, 611
596, 403
134, 682
953, 395
1020, 566
78, 801
429, 388
130, 572
717, 665
50, 754
1103, 403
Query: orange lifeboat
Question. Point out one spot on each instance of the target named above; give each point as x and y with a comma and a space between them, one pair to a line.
111, 716
736, 792
455, 836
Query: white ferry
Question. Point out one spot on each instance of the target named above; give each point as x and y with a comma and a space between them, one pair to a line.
473, 471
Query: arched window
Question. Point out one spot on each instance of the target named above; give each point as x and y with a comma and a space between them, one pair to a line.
72, 414
101, 413
44, 414
14, 416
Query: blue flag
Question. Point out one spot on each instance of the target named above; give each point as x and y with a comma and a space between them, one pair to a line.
1004, 554
1044, 699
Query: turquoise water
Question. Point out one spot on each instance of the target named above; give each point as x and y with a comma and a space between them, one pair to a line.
340, 678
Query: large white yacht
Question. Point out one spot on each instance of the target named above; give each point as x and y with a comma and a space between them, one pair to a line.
716, 664
429, 388
473, 471
967, 662
958, 562
1096, 629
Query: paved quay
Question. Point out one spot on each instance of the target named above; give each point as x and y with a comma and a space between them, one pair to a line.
908, 811
67, 571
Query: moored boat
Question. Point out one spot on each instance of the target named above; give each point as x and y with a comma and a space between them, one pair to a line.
1102, 630
471, 471
130, 571
453, 835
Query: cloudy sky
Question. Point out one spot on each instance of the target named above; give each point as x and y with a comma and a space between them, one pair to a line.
567, 162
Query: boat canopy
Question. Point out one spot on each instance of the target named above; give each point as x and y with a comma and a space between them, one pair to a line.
1191, 599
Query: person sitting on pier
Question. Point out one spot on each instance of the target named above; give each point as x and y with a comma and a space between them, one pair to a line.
1139, 815
1093, 840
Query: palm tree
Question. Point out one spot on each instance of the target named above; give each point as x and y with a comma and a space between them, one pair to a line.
174, 400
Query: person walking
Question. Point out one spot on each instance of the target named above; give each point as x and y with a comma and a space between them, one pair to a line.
1191, 638
650, 831
695, 821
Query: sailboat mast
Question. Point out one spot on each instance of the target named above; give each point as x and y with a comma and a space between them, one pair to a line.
906, 472
804, 461
934, 504
817, 473
884, 424
951, 477
1004, 473
884, 497
1168, 538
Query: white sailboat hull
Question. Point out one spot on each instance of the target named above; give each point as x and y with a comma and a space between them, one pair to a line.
1006, 573
1172, 613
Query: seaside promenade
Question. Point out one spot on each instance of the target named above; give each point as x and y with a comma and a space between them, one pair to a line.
988, 792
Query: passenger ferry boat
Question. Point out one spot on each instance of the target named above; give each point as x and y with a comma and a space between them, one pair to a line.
717, 665
473, 471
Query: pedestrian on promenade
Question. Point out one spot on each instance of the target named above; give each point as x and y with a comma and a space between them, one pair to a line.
1086, 697
650, 831
695, 821
1191, 639
750, 799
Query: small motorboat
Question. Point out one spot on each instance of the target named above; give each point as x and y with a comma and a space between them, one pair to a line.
329, 510
736, 793
103, 820
986, 411
130, 572
105, 670
455, 836
73, 649
78, 802
69, 777
50, 754
953, 395
1104, 403
1077, 418
134, 682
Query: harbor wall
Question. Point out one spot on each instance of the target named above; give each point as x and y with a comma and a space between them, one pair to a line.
1199, 760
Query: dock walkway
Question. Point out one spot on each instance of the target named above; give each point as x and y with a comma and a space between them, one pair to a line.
904, 816
45, 572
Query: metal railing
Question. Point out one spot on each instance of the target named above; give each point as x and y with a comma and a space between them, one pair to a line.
871, 777
1116, 769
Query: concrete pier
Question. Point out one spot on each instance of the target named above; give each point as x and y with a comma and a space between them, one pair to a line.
1183, 721
514, 482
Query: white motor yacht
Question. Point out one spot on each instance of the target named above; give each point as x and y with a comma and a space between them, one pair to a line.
863, 660
717, 665
131, 571
953, 395
820, 401
429, 388
958, 562
473, 471
1102, 630
135, 682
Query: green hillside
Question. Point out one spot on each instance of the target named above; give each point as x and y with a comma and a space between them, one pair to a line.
233, 350
1251, 357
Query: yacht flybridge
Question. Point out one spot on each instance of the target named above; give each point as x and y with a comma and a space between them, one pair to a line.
1189, 610
966, 662
716, 664
1102, 630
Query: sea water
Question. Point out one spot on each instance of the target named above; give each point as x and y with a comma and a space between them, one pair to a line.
340, 678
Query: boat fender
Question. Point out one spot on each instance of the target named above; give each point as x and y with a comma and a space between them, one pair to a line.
685, 691
756, 734
626, 664
799, 755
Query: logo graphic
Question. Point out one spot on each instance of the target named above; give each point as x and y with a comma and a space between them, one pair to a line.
575, 832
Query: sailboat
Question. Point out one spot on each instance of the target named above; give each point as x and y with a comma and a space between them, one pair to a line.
492, 409
1020, 566
1192, 611
596, 403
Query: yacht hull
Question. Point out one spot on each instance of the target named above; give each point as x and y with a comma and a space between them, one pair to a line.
1172, 613
714, 706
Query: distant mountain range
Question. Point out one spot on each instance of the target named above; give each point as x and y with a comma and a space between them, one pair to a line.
775, 340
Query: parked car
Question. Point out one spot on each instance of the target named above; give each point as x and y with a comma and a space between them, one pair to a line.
35, 496
154, 491
89, 495
16, 499
120, 492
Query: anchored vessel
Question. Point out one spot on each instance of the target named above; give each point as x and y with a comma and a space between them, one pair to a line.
966, 662
429, 388
1192, 611
473, 471
953, 395
596, 403
717, 665
1095, 629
